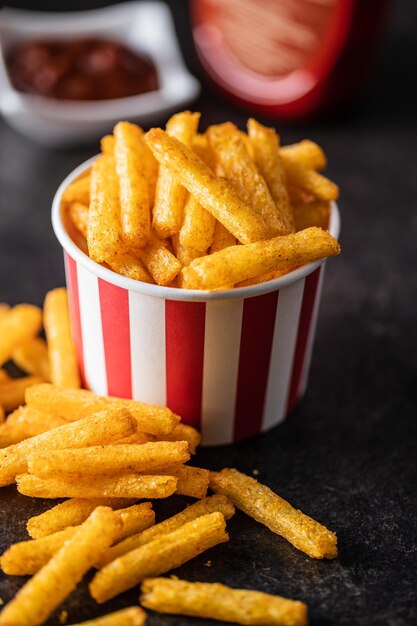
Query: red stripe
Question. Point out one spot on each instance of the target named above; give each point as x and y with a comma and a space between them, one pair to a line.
114, 306
184, 328
74, 310
258, 323
304, 324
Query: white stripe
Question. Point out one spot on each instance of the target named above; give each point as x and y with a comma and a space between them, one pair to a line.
221, 364
283, 350
147, 348
92, 332
311, 335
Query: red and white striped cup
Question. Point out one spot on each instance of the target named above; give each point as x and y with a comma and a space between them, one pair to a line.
232, 363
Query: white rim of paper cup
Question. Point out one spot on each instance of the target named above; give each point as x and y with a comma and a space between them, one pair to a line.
173, 293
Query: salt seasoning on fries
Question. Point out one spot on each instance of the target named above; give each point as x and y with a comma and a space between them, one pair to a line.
277, 514
216, 601
62, 357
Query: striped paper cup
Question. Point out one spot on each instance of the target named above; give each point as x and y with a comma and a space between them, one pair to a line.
232, 363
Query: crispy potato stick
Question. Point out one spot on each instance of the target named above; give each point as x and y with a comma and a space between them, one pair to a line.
111, 460
107, 144
78, 191
170, 195
232, 265
27, 422
159, 556
137, 486
212, 504
160, 263
197, 226
54, 582
305, 153
201, 146
310, 181
136, 438
27, 557
183, 432
32, 357
131, 267
12, 391
184, 254
104, 230
79, 214
69, 513
61, 350
215, 194
265, 145
134, 191
4, 308
192, 481
72, 403
239, 167
100, 428
17, 325
132, 616
263, 278
221, 238
216, 601
311, 214
277, 514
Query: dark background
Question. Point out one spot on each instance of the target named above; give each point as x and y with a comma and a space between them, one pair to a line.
347, 456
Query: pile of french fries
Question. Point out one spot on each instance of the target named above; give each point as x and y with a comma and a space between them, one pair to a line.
103, 455
211, 210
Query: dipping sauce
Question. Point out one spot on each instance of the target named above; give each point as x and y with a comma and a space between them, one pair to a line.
82, 69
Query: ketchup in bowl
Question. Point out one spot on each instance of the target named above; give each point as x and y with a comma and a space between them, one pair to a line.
82, 69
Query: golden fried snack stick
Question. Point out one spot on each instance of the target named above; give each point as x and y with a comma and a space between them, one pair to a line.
136, 486
131, 267
305, 153
134, 191
98, 460
197, 227
74, 403
237, 263
309, 214
192, 481
132, 616
216, 601
212, 504
221, 238
184, 432
277, 514
79, 214
38, 598
32, 357
62, 357
170, 195
109, 425
184, 254
17, 325
215, 194
239, 167
159, 556
12, 391
265, 145
78, 191
160, 263
4, 308
312, 182
107, 144
27, 422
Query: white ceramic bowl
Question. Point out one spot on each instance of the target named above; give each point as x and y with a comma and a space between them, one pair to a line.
144, 26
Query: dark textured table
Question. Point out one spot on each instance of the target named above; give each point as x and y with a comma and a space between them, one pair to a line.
347, 456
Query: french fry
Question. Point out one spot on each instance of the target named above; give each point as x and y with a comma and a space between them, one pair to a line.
69, 513
137, 438
184, 254
263, 278
239, 167
310, 181
61, 350
136, 486
32, 357
38, 598
109, 425
170, 195
197, 227
107, 144
79, 214
134, 191
131, 267
17, 325
160, 263
232, 265
192, 481
12, 391
4, 308
27, 557
72, 403
184, 432
265, 145
311, 214
27, 422
4, 376
215, 194
212, 504
132, 616
221, 238
277, 514
110, 460
78, 191
104, 236
216, 601
201, 146
159, 556
305, 153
